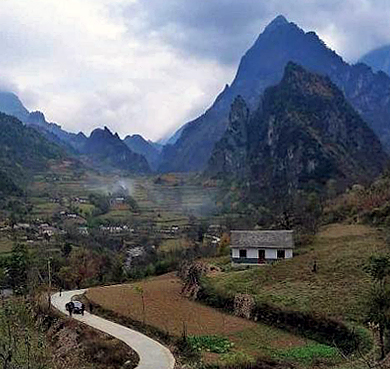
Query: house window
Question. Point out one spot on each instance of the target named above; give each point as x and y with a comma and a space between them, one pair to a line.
281, 254
242, 253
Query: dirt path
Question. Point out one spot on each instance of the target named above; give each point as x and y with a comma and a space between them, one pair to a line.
152, 354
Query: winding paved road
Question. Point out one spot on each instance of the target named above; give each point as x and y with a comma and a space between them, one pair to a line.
152, 354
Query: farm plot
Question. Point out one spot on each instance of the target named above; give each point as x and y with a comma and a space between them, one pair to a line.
339, 287
167, 310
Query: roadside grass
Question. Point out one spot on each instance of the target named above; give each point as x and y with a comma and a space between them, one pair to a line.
168, 311
339, 287
22, 340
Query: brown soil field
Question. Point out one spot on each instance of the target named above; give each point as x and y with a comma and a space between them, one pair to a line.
167, 310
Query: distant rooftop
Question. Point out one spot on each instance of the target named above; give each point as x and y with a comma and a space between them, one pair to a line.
266, 239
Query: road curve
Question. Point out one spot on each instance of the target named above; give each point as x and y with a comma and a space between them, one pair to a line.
152, 354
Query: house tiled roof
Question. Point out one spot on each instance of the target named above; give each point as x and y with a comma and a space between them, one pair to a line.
266, 239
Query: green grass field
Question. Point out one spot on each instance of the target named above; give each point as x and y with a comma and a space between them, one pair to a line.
174, 244
338, 289
47, 210
86, 208
6, 244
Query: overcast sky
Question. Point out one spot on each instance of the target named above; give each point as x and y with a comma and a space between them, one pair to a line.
148, 66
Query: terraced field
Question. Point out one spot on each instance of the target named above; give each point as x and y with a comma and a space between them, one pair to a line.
172, 202
167, 199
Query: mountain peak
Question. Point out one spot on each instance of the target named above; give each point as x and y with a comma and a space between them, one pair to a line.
378, 59
11, 105
108, 152
137, 137
37, 115
298, 80
139, 145
263, 66
280, 20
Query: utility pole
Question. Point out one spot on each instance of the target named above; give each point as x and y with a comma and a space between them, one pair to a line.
49, 292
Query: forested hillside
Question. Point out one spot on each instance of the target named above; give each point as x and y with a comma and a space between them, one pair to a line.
23, 151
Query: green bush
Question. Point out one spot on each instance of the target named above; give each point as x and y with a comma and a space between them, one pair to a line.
216, 344
308, 353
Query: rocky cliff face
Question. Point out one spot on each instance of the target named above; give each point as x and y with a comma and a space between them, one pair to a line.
262, 66
230, 153
303, 134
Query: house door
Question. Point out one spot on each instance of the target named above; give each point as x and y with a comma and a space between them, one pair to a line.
281, 254
261, 256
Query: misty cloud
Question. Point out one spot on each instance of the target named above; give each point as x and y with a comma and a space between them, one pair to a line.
149, 66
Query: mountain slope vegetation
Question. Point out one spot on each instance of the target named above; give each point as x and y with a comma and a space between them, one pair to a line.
111, 155
10, 104
23, 151
303, 135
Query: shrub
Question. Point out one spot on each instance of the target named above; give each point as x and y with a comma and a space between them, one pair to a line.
309, 353
216, 344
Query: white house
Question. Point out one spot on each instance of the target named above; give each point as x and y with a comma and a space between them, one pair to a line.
260, 247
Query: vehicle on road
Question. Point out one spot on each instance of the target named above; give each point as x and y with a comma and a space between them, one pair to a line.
76, 307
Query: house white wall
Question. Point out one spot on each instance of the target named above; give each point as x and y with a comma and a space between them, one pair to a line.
253, 253
289, 253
